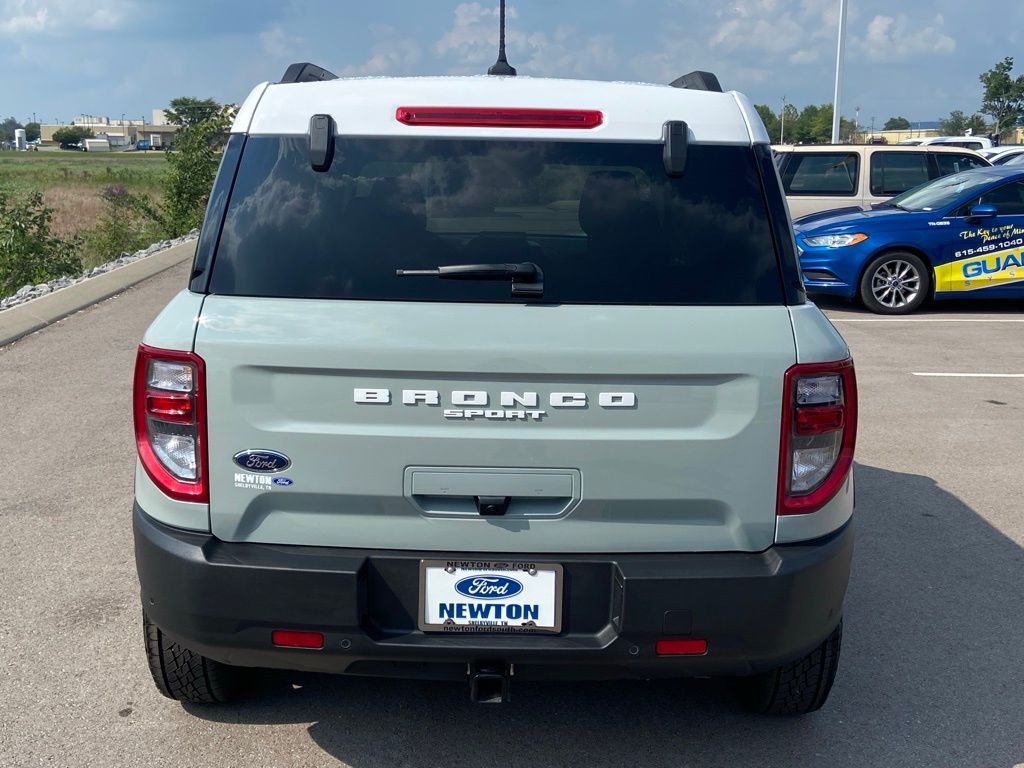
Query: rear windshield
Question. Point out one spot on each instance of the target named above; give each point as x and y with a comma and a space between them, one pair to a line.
603, 221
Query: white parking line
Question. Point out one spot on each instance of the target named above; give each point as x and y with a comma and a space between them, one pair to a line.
925, 320
971, 375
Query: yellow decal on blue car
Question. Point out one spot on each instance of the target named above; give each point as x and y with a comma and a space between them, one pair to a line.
989, 270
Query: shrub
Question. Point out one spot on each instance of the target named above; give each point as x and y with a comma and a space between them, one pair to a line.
29, 254
193, 166
120, 227
190, 178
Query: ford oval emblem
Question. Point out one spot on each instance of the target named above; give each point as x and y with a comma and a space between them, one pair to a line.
286, 481
488, 587
262, 461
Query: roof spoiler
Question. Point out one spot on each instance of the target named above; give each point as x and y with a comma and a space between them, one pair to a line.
304, 72
698, 81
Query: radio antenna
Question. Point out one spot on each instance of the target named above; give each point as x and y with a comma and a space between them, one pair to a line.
501, 66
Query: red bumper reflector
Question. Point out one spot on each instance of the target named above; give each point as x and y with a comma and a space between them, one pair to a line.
290, 639
477, 117
682, 647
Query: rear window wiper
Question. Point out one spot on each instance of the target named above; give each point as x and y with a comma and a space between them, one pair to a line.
527, 278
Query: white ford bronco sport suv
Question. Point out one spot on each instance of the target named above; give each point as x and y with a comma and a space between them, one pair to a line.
494, 378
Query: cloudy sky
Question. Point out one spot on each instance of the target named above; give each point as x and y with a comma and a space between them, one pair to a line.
59, 58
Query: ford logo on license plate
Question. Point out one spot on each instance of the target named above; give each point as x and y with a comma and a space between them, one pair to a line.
488, 587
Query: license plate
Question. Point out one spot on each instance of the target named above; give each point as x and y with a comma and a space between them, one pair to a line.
490, 596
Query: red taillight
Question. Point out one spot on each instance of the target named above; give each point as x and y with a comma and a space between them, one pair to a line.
170, 421
819, 433
287, 638
681, 647
490, 117
819, 420
169, 407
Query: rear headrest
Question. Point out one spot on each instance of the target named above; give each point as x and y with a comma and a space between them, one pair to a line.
606, 196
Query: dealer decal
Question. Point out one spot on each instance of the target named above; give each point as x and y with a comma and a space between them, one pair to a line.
251, 481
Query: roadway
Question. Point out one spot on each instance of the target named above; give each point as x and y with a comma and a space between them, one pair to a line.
932, 671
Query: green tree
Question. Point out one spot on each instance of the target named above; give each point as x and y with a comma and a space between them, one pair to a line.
977, 125
957, 124
31, 131
771, 122
187, 111
29, 254
187, 185
954, 125
814, 126
193, 167
896, 124
1004, 96
787, 120
71, 134
807, 128
7, 128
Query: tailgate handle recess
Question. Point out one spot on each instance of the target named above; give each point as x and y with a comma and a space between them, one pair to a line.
492, 506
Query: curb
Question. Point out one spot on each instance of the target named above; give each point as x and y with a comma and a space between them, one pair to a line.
18, 322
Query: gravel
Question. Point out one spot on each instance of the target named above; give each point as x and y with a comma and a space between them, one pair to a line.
29, 292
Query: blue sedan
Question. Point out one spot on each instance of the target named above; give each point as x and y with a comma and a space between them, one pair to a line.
957, 236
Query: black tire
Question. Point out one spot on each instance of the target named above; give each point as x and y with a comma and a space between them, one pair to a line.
797, 688
184, 675
896, 283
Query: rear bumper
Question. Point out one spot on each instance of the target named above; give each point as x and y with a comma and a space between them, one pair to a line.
756, 611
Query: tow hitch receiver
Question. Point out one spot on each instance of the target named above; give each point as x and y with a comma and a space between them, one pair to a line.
489, 682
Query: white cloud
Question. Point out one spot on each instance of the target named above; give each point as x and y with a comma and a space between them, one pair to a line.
391, 54
804, 56
278, 43
891, 39
20, 17
471, 44
473, 36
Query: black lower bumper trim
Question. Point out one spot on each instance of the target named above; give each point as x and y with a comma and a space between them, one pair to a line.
756, 610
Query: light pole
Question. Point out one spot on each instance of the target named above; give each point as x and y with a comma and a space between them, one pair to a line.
839, 71
782, 127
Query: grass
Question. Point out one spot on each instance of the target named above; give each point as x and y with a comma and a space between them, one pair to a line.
71, 182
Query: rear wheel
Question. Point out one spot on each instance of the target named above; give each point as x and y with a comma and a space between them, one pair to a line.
797, 688
895, 283
184, 675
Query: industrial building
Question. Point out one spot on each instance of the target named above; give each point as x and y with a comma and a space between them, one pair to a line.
120, 133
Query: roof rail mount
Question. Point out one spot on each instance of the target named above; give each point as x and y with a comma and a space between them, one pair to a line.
304, 72
698, 81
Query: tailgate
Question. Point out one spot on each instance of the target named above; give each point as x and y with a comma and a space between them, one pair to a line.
594, 429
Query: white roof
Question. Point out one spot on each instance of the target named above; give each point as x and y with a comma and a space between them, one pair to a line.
632, 111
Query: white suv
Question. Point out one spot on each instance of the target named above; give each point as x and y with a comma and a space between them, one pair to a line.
822, 177
493, 375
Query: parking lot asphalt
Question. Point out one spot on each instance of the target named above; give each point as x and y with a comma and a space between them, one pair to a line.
932, 671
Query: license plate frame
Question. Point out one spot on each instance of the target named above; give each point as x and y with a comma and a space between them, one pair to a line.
513, 568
